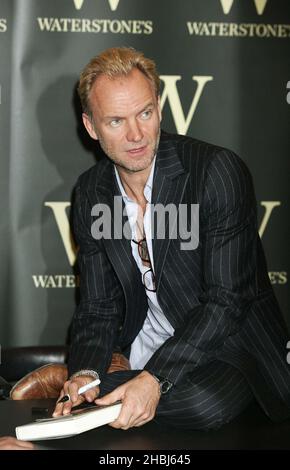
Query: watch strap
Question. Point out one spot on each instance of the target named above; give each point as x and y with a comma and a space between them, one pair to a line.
164, 384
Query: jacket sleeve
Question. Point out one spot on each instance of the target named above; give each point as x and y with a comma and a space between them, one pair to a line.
97, 318
228, 239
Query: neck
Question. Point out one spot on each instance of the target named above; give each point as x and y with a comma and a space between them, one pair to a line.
134, 183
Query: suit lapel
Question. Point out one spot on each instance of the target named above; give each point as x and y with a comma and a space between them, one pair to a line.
169, 183
118, 250
168, 188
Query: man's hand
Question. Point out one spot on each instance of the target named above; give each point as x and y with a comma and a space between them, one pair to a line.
11, 443
71, 387
140, 397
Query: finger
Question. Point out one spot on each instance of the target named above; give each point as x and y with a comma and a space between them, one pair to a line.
11, 443
73, 393
75, 398
69, 405
92, 394
143, 419
59, 409
25, 445
134, 422
141, 423
129, 424
71, 389
125, 418
138, 420
120, 424
59, 406
65, 408
110, 398
14, 447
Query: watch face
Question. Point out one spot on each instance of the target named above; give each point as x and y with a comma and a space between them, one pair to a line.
165, 386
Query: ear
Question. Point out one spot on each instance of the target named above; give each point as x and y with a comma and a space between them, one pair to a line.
89, 126
159, 108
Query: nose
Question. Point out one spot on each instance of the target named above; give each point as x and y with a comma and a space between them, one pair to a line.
134, 132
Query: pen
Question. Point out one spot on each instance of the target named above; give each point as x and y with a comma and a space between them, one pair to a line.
81, 390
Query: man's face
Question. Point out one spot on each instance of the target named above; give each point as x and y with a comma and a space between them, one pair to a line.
125, 119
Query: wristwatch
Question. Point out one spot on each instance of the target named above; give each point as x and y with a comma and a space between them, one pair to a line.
164, 384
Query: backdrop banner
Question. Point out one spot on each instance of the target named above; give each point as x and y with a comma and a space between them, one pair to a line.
225, 73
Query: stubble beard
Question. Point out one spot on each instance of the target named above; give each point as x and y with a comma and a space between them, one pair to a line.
134, 166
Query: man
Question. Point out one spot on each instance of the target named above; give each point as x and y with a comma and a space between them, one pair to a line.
200, 326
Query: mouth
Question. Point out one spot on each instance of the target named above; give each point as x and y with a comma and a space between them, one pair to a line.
137, 151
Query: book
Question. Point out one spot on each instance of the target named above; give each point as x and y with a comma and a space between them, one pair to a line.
76, 422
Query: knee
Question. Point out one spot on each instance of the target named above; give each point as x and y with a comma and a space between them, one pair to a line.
194, 421
192, 415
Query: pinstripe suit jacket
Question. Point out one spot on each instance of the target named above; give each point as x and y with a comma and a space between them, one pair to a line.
217, 297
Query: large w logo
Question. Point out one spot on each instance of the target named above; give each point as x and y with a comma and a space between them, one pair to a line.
113, 4
170, 93
227, 5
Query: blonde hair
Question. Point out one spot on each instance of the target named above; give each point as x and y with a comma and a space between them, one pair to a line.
114, 62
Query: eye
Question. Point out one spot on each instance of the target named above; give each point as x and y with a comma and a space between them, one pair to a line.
115, 122
146, 114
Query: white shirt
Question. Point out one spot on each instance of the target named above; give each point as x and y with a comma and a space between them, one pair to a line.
156, 328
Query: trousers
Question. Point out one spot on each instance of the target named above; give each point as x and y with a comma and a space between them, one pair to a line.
205, 398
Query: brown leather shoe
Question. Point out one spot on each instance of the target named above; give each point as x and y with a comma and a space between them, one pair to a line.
119, 362
44, 382
47, 381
